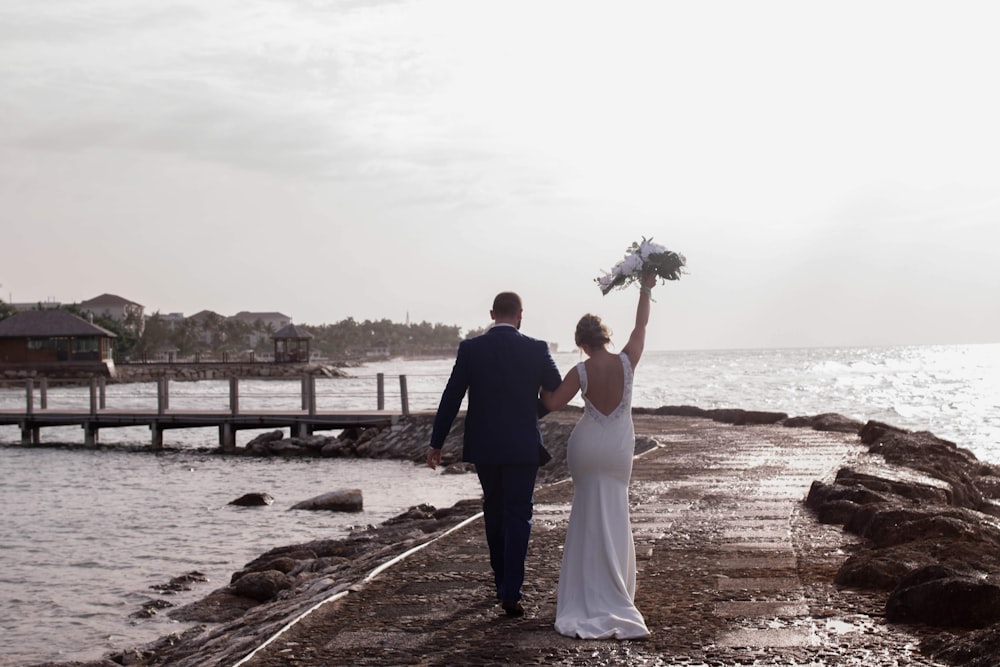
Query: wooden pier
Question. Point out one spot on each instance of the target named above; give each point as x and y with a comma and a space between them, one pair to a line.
302, 422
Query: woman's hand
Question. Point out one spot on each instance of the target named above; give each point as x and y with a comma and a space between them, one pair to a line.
649, 280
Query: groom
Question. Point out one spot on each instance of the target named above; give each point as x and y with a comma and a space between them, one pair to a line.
502, 371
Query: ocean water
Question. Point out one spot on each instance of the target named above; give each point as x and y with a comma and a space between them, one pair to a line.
86, 533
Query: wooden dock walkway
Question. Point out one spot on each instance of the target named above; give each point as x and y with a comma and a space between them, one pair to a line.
302, 422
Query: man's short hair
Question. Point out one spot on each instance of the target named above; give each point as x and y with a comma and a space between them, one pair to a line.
506, 304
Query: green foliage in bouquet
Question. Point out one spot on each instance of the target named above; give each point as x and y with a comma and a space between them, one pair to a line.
640, 258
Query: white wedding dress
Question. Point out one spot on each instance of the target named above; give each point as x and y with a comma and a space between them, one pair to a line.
597, 581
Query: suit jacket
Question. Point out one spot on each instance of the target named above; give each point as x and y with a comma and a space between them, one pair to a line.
502, 371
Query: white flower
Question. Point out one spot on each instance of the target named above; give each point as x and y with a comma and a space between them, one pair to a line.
631, 264
648, 248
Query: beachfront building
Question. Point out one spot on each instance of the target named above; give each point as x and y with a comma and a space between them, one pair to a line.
54, 340
291, 344
262, 325
116, 308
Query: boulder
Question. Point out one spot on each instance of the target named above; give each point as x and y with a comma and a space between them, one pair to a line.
944, 597
875, 571
346, 500
821, 493
283, 564
828, 421
253, 500
680, 411
837, 512
885, 568
265, 438
889, 524
262, 586
312, 442
733, 416
284, 560
738, 417
930, 455
909, 490
973, 648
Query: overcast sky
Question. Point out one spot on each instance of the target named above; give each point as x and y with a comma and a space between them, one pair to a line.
831, 170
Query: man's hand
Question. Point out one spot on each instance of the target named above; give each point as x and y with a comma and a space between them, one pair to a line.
433, 457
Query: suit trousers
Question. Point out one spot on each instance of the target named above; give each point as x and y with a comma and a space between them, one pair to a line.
508, 502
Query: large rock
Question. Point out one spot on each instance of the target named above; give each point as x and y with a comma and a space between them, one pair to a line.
821, 493
265, 438
943, 596
974, 648
253, 500
739, 417
346, 500
282, 564
828, 421
929, 490
262, 586
277, 559
734, 416
314, 443
932, 456
877, 571
888, 524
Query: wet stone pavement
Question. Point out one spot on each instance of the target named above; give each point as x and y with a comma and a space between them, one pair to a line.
733, 570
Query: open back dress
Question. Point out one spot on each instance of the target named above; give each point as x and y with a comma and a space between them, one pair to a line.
597, 580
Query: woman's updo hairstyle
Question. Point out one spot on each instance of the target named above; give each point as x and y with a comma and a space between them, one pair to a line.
591, 331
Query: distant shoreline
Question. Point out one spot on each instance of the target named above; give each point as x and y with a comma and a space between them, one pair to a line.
15, 375
183, 372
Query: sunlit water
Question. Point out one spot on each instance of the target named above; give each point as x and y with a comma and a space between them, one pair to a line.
86, 533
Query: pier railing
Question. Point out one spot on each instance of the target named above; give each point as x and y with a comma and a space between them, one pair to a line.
229, 405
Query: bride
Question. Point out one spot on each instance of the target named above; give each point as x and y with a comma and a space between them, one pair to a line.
597, 581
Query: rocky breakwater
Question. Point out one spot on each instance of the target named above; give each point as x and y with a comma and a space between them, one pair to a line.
927, 514
408, 441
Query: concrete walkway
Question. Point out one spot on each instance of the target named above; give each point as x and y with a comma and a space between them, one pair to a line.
733, 570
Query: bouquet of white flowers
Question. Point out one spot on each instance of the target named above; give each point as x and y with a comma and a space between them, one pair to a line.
640, 258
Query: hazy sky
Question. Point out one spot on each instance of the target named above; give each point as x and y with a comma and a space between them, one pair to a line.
831, 170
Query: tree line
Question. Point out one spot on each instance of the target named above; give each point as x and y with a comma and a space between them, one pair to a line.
214, 336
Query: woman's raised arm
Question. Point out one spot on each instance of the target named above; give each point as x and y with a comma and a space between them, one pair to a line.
637, 341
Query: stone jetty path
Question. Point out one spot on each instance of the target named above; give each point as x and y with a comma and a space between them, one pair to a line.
732, 570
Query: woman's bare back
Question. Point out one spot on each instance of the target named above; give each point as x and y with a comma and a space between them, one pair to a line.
605, 381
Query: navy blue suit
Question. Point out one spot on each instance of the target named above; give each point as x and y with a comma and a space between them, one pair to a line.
502, 372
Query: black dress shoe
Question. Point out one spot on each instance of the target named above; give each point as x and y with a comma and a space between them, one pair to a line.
512, 608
